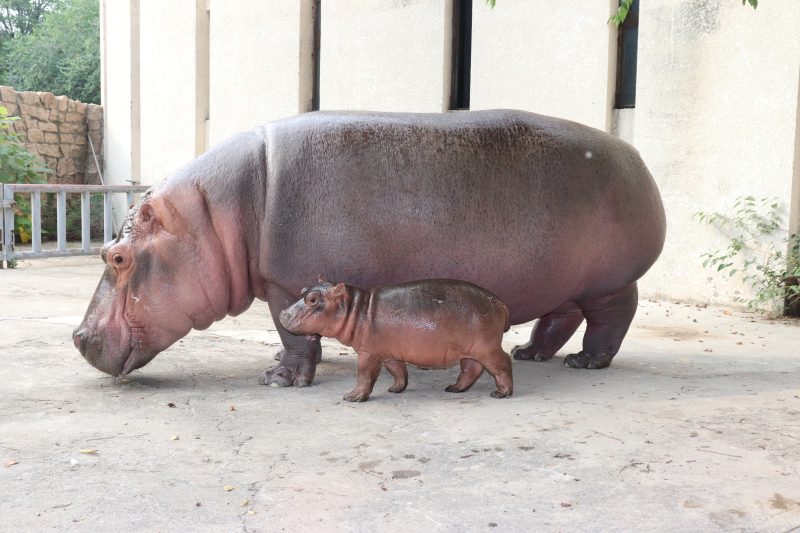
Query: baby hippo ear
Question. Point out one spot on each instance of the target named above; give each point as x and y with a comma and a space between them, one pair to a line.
321, 279
339, 290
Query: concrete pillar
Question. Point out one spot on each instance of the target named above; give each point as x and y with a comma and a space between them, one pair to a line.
174, 90
716, 118
119, 23
261, 63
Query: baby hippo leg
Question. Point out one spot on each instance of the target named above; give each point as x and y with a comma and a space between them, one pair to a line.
499, 366
399, 372
471, 370
369, 367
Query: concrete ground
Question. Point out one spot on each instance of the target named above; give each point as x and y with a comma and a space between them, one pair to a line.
695, 427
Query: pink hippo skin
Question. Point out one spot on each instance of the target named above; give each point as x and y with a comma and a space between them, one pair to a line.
429, 323
559, 220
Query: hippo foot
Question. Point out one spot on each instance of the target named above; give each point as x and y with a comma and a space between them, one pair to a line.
585, 360
455, 388
356, 396
526, 352
502, 393
397, 389
285, 376
279, 354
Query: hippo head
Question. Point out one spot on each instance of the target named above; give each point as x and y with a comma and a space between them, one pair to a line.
318, 312
165, 275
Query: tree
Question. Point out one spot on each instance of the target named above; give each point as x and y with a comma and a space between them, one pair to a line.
61, 55
20, 17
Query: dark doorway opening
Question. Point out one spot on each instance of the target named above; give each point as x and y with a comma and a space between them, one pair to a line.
627, 49
462, 54
317, 26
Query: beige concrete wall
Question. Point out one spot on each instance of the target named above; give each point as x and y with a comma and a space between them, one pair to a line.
169, 89
261, 63
118, 78
385, 55
551, 58
716, 118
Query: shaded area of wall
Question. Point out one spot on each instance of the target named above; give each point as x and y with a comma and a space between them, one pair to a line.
54, 129
385, 55
716, 117
261, 63
551, 58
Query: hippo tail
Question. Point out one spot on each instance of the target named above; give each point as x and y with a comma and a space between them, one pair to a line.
508, 316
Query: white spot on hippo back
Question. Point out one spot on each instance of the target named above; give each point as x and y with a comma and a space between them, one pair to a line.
588, 155
135, 298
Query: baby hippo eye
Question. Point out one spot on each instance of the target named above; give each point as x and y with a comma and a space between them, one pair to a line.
312, 300
118, 259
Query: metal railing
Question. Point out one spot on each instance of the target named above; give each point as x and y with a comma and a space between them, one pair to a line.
36, 191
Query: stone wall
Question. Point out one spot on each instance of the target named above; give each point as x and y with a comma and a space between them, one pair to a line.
54, 129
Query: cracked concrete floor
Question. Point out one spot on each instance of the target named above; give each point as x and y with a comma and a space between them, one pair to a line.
695, 427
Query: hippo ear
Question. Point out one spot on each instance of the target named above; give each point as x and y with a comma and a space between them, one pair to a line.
321, 279
339, 290
147, 215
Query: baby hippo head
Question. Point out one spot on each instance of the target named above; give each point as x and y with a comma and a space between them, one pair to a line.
318, 312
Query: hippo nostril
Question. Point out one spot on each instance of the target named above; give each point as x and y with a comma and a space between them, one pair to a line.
76, 339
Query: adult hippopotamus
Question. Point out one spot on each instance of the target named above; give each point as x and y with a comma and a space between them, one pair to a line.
557, 219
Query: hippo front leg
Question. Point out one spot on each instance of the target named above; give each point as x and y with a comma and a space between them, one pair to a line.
300, 353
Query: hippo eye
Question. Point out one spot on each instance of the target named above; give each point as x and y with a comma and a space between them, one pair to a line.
312, 300
118, 259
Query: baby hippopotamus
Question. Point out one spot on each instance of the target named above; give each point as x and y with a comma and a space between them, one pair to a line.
429, 323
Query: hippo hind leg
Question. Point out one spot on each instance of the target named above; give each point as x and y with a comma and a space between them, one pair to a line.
399, 372
499, 366
550, 334
471, 370
607, 321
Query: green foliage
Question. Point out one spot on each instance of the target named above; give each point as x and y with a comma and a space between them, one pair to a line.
752, 227
625, 5
619, 17
490, 3
61, 55
20, 17
17, 165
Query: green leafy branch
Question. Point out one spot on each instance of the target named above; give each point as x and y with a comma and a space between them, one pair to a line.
17, 165
750, 228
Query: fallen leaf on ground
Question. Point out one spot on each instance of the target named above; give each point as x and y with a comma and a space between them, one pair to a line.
126, 381
198, 504
251, 512
566, 505
88, 451
738, 343
174, 437
384, 488
11, 462
228, 488
233, 408
316, 410
244, 503
170, 404
685, 500
727, 312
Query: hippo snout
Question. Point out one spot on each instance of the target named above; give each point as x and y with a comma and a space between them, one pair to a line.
77, 337
285, 317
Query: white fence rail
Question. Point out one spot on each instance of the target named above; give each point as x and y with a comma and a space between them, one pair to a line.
36, 191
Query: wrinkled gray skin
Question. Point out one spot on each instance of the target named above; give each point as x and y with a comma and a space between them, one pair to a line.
557, 219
